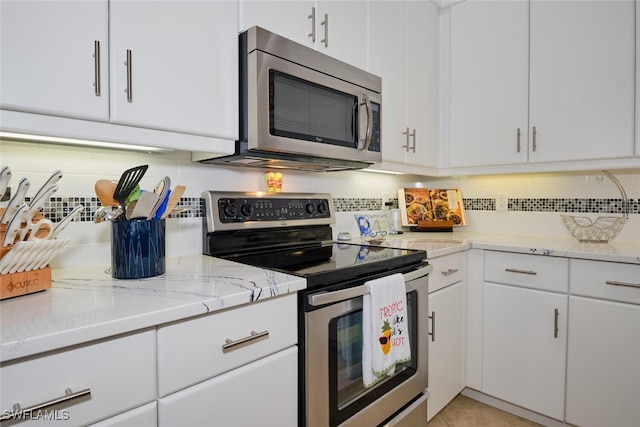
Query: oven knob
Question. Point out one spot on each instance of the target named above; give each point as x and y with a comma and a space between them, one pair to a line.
247, 210
230, 210
310, 208
322, 208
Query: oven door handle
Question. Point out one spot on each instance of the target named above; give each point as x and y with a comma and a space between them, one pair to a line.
322, 298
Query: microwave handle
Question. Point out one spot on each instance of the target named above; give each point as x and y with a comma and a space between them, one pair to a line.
363, 99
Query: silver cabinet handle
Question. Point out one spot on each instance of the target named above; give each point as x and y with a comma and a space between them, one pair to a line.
449, 271
96, 67
535, 134
433, 326
68, 395
408, 147
413, 135
556, 314
616, 283
129, 89
325, 40
518, 134
515, 270
230, 345
312, 34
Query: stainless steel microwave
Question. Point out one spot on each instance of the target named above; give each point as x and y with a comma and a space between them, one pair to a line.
301, 109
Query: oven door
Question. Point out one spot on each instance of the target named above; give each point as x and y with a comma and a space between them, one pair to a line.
295, 109
334, 391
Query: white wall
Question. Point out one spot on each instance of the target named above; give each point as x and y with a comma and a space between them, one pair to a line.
540, 186
90, 243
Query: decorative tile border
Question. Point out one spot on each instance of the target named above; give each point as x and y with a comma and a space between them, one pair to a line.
600, 206
58, 207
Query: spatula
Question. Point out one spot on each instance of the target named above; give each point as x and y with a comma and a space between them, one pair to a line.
127, 183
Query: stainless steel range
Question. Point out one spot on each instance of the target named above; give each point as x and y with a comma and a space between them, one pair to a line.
291, 232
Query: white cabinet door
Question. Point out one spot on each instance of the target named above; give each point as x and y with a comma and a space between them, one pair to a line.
524, 347
290, 19
345, 30
446, 346
262, 393
47, 62
582, 80
407, 60
182, 72
422, 81
603, 375
387, 59
344, 27
489, 82
637, 77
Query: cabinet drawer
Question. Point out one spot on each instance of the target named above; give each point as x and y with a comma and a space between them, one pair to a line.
262, 393
192, 350
447, 270
120, 372
607, 280
530, 271
143, 416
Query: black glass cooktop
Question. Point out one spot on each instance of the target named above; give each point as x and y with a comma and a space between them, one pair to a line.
330, 263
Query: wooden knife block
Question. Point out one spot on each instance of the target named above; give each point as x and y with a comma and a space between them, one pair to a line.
26, 282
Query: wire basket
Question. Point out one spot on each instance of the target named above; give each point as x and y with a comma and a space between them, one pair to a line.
604, 228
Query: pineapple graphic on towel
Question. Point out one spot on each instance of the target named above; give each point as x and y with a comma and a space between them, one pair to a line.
384, 328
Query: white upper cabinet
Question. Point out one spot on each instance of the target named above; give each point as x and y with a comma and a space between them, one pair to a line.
582, 80
337, 28
290, 19
637, 77
489, 81
54, 58
407, 61
174, 65
561, 89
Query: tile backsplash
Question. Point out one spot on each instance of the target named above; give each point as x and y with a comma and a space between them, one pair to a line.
535, 200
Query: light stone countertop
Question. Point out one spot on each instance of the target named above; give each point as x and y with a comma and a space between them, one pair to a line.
442, 243
87, 304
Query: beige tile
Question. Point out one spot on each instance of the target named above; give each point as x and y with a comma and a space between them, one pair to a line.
437, 421
466, 412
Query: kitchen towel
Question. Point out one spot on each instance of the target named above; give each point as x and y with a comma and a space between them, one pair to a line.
384, 328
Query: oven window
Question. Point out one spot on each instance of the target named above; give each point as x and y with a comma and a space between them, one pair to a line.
347, 394
304, 110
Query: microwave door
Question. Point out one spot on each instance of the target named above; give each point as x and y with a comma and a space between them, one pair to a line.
295, 109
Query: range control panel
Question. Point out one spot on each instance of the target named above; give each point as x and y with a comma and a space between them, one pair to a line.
271, 209
235, 210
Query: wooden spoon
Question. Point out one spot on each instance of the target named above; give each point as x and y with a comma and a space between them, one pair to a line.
174, 198
105, 190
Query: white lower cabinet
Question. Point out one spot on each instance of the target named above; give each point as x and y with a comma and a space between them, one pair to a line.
524, 347
233, 368
446, 346
603, 363
524, 335
263, 393
144, 416
109, 377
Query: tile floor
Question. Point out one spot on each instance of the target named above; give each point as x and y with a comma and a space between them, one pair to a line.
466, 412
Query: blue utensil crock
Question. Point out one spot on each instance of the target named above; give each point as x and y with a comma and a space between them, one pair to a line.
137, 248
